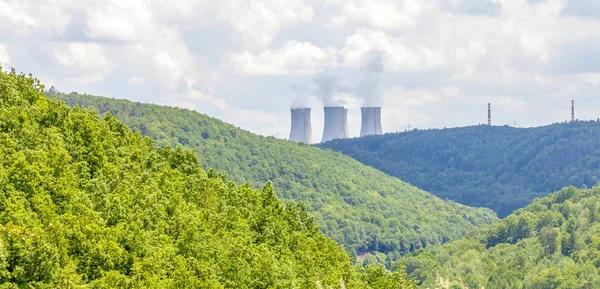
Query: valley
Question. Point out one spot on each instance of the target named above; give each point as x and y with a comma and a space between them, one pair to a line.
499, 167
358, 206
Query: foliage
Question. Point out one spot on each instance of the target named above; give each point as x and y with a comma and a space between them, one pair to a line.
86, 203
498, 167
552, 243
358, 206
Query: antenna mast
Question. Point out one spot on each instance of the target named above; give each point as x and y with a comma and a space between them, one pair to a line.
489, 114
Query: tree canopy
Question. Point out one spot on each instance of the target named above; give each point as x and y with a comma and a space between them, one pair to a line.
358, 206
552, 243
498, 167
86, 203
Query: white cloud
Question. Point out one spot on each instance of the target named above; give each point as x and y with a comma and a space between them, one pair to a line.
119, 20
13, 14
23, 17
84, 62
590, 78
136, 80
171, 69
408, 106
541, 80
292, 58
257, 120
256, 23
384, 14
451, 91
399, 96
397, 54
510, 103
4, 56
441, 58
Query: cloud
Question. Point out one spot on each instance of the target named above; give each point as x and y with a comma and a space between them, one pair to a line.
408, 106
4, 57
479, 7
541, 80
586, 8
368, 88
85, 62
590, 78
12, 14
329, 90
384, 14
451, 91
136, 80
398, 54
300, 94
20, 18
256, 23
510, 103
399, 96
292, 58
270, 123
125, 21
441, 61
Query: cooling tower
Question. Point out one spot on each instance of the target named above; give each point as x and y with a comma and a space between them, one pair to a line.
301, 130
336, 126
371, 121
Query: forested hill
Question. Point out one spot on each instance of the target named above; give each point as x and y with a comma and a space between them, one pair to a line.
499, 167
358, 206
86, 203
552, 243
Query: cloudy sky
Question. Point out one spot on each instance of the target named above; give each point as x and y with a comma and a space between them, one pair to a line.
431, 63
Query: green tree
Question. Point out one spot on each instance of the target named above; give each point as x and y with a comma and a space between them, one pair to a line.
86, 203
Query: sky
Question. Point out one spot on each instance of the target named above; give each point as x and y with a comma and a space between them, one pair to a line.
430, 64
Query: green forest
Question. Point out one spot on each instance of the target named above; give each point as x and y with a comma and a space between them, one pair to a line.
498, 167
552, 243
87, 203
130, 195
361, 208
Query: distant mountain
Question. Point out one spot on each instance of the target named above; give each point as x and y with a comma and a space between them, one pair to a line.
86, 203
552, 243
499, 167
358, 206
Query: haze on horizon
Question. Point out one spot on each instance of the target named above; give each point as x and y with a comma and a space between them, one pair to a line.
247, 62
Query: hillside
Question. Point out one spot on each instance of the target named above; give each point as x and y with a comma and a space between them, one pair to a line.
360, 207
552, 243
498, 167
84, 201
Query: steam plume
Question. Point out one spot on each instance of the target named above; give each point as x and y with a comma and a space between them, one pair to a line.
368, 88
328, 90
300, 96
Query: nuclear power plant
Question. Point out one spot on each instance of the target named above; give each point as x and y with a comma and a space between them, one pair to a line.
336, 125
371, 121
336, 122
301, 130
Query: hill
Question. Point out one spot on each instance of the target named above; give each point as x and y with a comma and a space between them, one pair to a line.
498, 167
86, 203
552, 243
358, 206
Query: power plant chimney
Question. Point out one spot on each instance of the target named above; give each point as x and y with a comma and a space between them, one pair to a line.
489, 114
336, 126
371, 121
572, 110
301, 130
